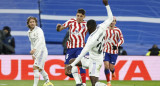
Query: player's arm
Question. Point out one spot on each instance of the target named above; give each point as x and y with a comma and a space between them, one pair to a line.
85, 50
120, 38
60, 27
109, 20
64, 26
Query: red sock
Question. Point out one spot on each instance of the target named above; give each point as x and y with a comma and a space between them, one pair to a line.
108, 77
83, 76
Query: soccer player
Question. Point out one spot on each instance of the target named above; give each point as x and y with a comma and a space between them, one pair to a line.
94, 46
38, 49
113, 39
76, 41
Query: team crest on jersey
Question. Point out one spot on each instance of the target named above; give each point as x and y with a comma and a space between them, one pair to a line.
76, 31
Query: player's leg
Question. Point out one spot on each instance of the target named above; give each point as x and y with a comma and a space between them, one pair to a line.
111, 65
94, 70
69, 55
75, 74
36, 75
106, 70
41, 66
94, 80
82, 71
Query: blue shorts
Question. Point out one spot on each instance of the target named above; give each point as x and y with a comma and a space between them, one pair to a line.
72, 53
111, 58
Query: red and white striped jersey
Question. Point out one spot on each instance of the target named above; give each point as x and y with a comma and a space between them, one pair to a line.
77, 33
114, 37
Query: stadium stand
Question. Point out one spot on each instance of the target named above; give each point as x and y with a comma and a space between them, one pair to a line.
139, 21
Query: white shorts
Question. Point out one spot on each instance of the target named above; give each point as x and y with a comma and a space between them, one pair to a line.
94, 67
85, 62
40, 59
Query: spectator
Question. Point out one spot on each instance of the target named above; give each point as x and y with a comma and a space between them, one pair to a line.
154, 51
121, 51
64, 43
2, 36
8, 42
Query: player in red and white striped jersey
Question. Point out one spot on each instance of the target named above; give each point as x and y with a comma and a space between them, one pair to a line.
77, 32
113, 39
76, 41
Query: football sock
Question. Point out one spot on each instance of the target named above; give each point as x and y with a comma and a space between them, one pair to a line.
36, 77
45, 75
107, 73
83, 75
76, 75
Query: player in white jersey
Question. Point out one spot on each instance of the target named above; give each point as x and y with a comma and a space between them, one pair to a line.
94, 46
38, 49
114, 39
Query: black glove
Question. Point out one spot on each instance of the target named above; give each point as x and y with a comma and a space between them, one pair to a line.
114, 47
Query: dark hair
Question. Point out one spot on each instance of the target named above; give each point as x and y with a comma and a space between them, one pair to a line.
91, 25
7, 28
81, 11
31, 17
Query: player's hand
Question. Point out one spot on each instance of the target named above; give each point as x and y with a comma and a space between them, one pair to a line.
58, 27
33, 57
69, 68
32, 51
114, 47
105, 2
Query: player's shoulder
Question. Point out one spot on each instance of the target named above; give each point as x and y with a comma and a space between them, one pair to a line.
72, 19
116, 28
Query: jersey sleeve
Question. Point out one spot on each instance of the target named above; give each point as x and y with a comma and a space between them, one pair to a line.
85, 50
66, 24
109, 20
120, 38
91, 42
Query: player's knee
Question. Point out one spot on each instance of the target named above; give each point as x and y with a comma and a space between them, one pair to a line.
35, 68
106, 66
111, 68
71, 60
40, 70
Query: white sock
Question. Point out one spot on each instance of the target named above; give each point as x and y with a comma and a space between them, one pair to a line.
100, 84
36, 77
76, 75
45, 75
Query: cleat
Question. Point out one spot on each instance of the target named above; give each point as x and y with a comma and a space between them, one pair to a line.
79, 84
109, 84
84, 84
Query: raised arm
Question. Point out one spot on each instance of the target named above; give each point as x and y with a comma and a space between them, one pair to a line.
109, 20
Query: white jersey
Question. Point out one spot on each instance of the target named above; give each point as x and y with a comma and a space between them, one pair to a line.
36, 37
94, 43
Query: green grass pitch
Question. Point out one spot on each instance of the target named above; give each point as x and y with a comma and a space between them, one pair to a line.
72, 83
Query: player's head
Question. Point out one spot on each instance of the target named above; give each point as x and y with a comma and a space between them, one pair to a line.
80, 15
112, 25
91, 25
32, 22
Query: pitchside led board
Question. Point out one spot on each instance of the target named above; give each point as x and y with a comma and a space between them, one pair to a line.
19, 67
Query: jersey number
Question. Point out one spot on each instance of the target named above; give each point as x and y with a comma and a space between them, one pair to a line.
99, 46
